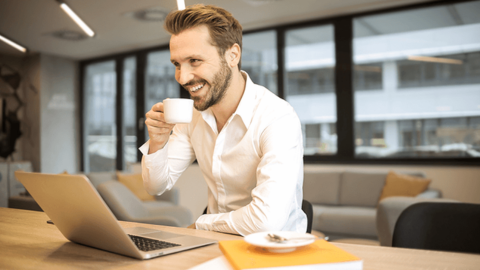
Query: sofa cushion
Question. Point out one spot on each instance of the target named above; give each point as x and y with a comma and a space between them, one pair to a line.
321, 187
361, 188
347, 220
403, 185
97, 178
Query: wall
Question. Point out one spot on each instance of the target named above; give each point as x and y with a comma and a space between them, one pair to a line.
31, 121
49, 125
27, 147
458, 183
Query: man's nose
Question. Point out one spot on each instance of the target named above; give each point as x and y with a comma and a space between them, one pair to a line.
184, 75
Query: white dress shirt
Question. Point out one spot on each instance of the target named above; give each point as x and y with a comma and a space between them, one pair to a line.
253, 167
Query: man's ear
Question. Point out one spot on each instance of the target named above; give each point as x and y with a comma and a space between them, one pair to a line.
234, 54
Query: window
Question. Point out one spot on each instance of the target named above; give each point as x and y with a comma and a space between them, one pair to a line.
160, 80
129, 111
409, 93
427, 75
310, 85
259, 58
100, 130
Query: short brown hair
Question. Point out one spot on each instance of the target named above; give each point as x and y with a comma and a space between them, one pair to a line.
224, 29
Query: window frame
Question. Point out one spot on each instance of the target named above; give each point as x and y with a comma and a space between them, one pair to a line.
343, 38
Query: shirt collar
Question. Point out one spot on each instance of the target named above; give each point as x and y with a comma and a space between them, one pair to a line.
245, 107
247, 103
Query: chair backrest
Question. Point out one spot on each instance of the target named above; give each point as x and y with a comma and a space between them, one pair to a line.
439, 226
307, 209
123, 203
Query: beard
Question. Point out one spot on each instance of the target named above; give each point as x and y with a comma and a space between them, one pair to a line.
218, 88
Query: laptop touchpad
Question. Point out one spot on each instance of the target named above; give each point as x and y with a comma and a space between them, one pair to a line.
160, 235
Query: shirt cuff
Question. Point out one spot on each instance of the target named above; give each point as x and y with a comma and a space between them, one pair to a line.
150, 159
216, 222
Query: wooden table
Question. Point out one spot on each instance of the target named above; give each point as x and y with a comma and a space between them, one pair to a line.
28, 242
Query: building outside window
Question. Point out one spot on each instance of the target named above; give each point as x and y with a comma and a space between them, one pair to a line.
259, 58
417, 83
310, 85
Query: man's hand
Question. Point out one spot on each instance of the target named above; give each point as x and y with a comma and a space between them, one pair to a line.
158, 130
192, 226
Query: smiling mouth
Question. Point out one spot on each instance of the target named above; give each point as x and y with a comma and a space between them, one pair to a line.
196, 88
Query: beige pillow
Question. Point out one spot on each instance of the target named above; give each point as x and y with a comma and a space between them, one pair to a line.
403, 185
134, 182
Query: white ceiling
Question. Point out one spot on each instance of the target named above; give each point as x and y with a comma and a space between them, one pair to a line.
32, 22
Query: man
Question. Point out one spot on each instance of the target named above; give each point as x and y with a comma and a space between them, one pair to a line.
246, 140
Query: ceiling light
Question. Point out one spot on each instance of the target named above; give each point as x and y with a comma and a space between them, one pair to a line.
181, 4
435, 59
69, 35
150, 15
13, 44
256, 3
77, 19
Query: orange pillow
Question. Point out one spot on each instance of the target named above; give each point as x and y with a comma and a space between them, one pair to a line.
134, 182
403, 185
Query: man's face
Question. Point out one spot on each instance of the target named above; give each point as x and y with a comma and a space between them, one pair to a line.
199, 67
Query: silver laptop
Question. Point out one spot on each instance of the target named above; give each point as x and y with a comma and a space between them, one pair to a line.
81, 215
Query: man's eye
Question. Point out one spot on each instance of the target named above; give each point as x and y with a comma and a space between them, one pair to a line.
194, 61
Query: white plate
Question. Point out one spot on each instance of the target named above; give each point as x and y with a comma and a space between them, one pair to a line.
261, 239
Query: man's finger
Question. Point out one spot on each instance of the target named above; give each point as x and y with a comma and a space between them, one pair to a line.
156, 116
158, 107
159, 130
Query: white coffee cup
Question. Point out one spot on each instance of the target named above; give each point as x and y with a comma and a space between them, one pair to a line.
178, 110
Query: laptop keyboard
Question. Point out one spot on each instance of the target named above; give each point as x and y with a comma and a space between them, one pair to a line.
147, 244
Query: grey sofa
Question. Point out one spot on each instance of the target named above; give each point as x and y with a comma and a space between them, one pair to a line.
344, 202
127, 207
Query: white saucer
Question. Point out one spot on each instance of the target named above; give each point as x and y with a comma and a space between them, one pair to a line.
261, 239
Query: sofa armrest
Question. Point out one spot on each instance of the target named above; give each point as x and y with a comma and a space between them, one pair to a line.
388, 211
430, 193
172, 196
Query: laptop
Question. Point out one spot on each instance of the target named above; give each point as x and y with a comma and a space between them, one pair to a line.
81, 215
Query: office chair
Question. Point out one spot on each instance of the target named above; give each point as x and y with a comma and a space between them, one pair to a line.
439, 226
307, 209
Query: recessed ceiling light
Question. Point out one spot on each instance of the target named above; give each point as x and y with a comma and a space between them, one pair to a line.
69, 35
153, 14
